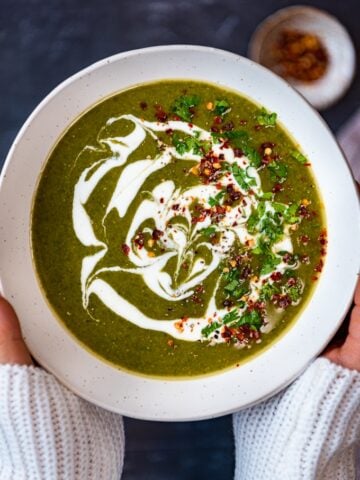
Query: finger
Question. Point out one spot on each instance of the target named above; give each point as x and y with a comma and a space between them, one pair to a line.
357, 293
12, 346
349, 352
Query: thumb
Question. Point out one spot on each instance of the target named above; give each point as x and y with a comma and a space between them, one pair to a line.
12, 346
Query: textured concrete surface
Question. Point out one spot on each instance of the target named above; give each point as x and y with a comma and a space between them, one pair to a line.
42, 43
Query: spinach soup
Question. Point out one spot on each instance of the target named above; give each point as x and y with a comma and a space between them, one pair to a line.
177, 229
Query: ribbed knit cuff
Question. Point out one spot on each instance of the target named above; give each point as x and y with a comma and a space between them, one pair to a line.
47, 432
306, 432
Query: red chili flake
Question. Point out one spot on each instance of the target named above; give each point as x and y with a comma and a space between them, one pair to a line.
323, 237
304, 239
282, 301
238, 152
139, 240
257, 127
160, 113
267, 145
125, 248
305, 259
276, 276
287, 258
246, 272
221, 156
169, 131
156, 234
277, 188
218, 120
195, 299
304, 212
243, 122
266, 159
291, 282
228, 303
214, 129
143, 105
314, 278
200, 289
228, 126
323, 252
161, 200
319, 266
176, 207
176, 117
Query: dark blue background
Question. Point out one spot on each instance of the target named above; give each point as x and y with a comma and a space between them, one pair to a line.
44, 41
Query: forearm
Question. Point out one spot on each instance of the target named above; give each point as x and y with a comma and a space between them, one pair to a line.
46, 432
306, 432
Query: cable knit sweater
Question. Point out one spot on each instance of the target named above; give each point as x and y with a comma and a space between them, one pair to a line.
306, 432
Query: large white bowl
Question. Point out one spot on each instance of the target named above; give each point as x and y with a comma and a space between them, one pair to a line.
147, 398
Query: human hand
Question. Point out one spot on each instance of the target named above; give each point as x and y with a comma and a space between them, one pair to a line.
348, 354
12, 346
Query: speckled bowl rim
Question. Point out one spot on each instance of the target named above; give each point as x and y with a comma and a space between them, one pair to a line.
206, 397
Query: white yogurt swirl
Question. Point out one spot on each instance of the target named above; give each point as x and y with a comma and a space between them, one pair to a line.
179, 232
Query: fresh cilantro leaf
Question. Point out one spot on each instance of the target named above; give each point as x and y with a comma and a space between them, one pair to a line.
253, 156
268, 290
251, 318
269, 264
208, 231
230, 287
278, 171
210, 328
299, 156
263, 117
221, 107
231, 317
189, 144
290, 214
213, 201
242, 177
182, 105
266, 196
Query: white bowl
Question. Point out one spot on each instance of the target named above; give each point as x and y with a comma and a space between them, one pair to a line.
325, 91
56, 349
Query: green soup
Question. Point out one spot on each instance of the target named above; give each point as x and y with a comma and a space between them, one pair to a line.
177, 229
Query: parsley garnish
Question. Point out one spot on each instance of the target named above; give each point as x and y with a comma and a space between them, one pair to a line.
188, 143
251, 318
242, 177
263, 117
231, 317
182, 105
208, 231
210, 328
278, 171
213, 201
221, 107
269, 263
299, 157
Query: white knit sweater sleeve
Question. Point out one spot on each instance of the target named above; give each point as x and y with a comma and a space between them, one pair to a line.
309, 431
48, 433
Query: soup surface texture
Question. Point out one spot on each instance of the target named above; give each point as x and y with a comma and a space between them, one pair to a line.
177, 229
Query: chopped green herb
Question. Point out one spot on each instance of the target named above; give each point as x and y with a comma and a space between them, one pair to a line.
251, 318
231, 317
268, 290
208, 231
189, 144
221, 107
263, 117
278, 171
269, 263
210, 328
299, 157
253, 156
243, 179
182, 105
213, 201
